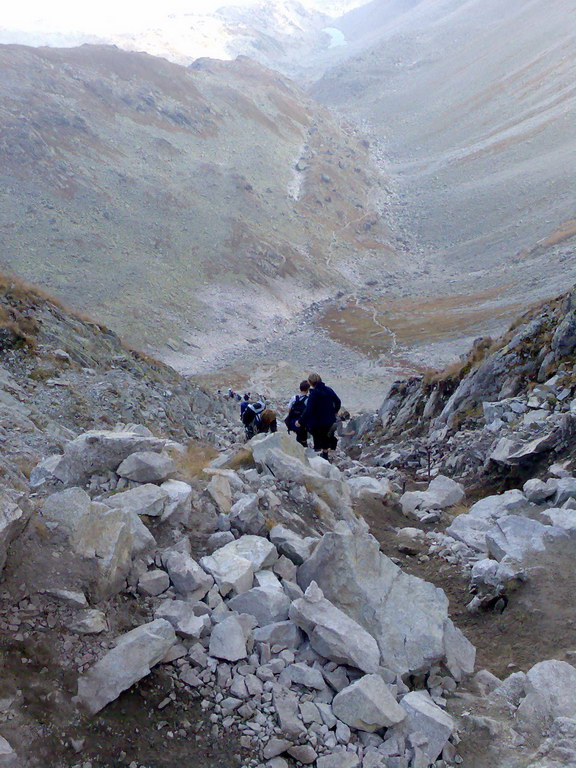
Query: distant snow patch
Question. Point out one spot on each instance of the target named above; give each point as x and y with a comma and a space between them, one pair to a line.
337, 37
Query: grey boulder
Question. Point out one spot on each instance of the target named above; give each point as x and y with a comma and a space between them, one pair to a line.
100, 451
147, 467
407, 616
332, 633
434, 725
186, 575
290, 544
146, 499
130, 660
228, 640
268, 606
368, 705
550, 688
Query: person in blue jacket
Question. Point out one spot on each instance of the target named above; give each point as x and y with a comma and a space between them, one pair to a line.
320, 414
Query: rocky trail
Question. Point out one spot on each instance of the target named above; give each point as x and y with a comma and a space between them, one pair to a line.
173, 596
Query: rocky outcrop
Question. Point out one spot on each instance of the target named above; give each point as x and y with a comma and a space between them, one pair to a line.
407, 616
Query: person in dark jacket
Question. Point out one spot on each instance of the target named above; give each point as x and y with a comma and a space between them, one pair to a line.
296, 408
320, 415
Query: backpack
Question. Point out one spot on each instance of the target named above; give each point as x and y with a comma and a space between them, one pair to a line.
298, 408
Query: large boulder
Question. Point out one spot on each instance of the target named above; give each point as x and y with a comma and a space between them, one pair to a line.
290, 544
368, 705
245, 516
231, 572
186, 575
102, 541
130, 660
100, 451
147, 467
433, 725
268, 606
228, 640
518, 537
258, 550
365, 488
285, 459
407, 616
561, 518
179, 503
332, 633
550, 693
182, 617
13, 519
442, 492
146, 499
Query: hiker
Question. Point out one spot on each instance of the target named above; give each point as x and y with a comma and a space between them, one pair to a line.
320, 415
244, 403
251, 418
296, 408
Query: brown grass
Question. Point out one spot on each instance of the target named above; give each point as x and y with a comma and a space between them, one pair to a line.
197, 456
414, 321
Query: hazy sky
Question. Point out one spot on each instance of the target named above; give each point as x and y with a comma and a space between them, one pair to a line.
105, 15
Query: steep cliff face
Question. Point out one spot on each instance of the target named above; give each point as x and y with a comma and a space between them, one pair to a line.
186, 208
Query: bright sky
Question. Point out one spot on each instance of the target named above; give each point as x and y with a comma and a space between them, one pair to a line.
118, 15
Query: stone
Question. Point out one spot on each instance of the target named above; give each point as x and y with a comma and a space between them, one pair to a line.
258, 550
443, 492
267, 606
339, 759
536, 490
411, 541
245, 516
132, 658
434, 725
565, 488
269, 580
100, 451
75, 599
182, 617
220, 492
284, 634
179, 503
496, 506
290, 544
101, 542
147, 467
407, 616
368, 705
559, 745
459, 652
228, 640
186, 575
89, 622
366, 487
517, 452
153, 583
518, 537
511, 691
275, 747
550, 693
44, 471
471, 531
287, 712
8, 757
218, 540
146, 499
303, 753
561, 518
285, 568
13, 520
304, 675
230, 572
332, 633
277, 762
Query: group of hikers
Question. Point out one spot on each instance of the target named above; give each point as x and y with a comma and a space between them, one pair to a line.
312, 411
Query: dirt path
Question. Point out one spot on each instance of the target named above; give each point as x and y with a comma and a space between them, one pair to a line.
538, 622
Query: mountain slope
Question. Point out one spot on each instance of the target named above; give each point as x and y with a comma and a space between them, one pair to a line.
475, 104
183, 207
